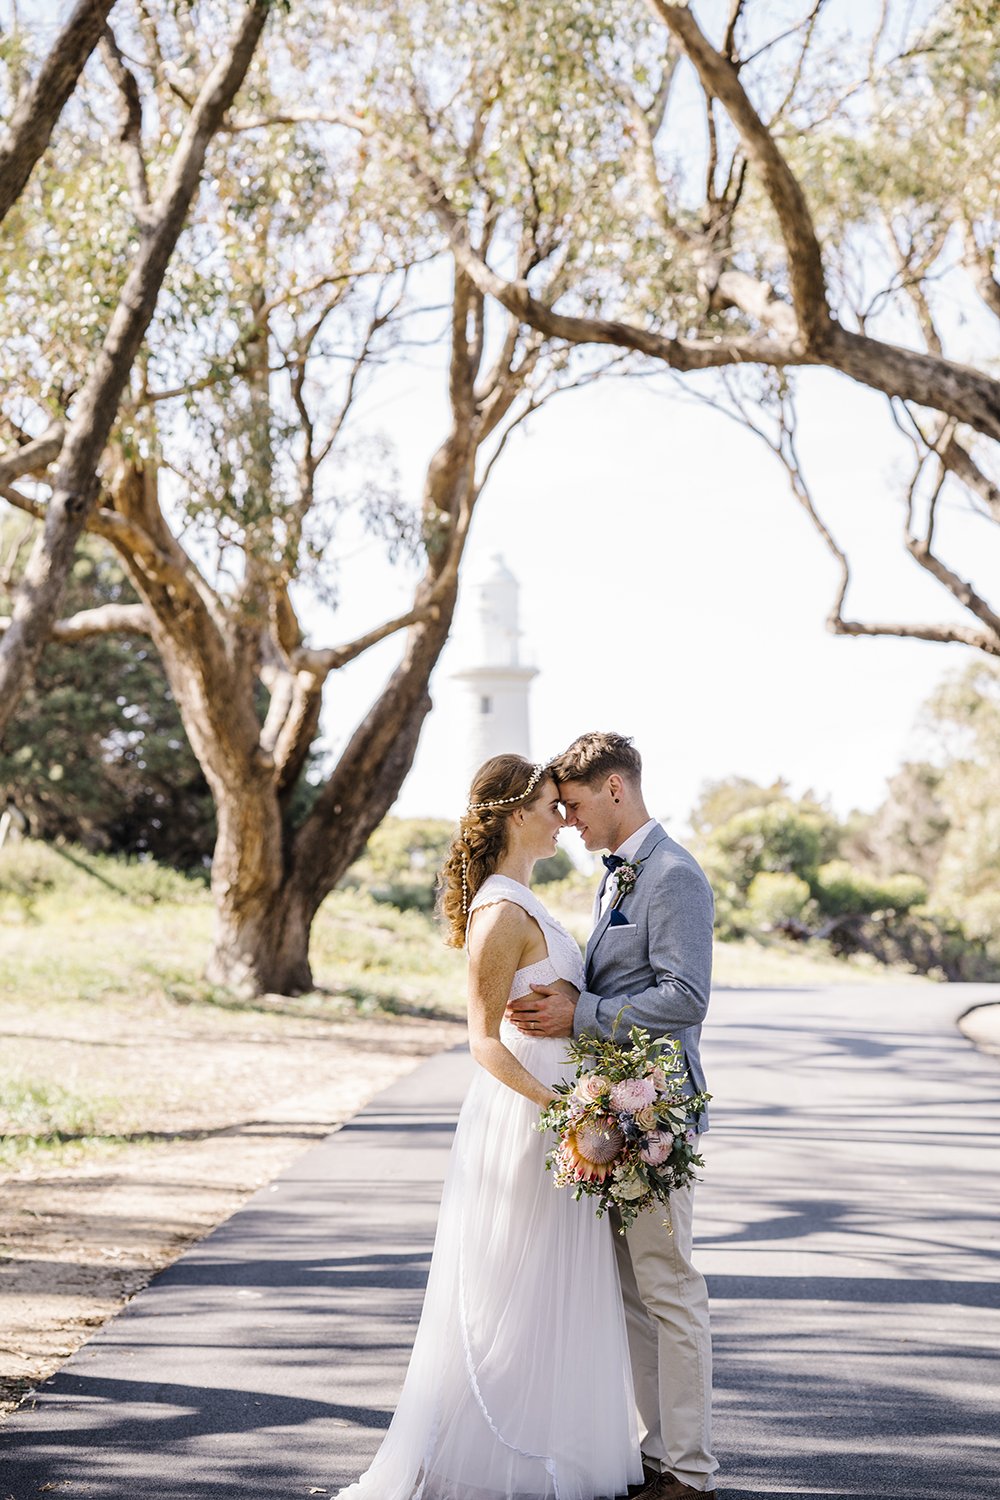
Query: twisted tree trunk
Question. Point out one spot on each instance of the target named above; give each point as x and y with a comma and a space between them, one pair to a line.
76, 485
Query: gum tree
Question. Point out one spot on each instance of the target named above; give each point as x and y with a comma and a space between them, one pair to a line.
78, 439
235, 453
796, 195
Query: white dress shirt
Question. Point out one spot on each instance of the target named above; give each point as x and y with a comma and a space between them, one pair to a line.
607, 892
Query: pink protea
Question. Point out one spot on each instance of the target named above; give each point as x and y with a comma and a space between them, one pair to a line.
592, 1150
633, 1094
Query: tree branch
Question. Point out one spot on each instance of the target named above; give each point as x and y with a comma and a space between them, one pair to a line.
720, 79
76, 485
981, 265
919, 548
131, 131
961, 463
35, 456
30, 127
322, 662
956, 635
106, 619
680, 354
22, 502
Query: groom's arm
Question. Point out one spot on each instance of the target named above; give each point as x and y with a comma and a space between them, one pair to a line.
681, 917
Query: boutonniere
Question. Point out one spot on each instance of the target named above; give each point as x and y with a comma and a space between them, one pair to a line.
626, 874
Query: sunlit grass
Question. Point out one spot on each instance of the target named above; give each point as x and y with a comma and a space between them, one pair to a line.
95, 928
44, 1120
100, 957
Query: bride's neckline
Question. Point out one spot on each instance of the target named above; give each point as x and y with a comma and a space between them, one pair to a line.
497, 875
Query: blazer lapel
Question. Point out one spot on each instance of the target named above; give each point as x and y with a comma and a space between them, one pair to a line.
654, 836
595, 938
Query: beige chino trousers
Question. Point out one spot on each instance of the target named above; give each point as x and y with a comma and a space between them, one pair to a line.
666, 1312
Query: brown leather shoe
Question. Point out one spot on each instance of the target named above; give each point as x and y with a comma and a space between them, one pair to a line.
666, 1487
648, 1475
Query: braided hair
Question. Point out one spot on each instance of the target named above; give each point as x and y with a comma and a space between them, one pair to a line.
499, 787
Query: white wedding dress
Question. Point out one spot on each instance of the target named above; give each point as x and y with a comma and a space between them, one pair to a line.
519, 1385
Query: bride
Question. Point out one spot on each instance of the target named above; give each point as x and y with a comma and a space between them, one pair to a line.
519, 1385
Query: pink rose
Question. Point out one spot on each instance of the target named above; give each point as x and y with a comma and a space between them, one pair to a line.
632, 1094
590, 1086
659, 1144
645, 1118
659, 1080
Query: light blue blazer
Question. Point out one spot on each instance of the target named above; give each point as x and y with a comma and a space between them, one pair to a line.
657, 964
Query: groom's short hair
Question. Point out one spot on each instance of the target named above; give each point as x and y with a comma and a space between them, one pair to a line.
592, 757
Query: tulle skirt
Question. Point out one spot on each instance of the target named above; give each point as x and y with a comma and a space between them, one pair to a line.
519, 1385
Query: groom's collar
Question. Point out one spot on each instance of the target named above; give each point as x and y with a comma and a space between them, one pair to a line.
635, 841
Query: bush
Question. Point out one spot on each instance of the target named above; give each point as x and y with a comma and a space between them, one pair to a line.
30, 869
842, 891
401, 862
781, 838
777, 900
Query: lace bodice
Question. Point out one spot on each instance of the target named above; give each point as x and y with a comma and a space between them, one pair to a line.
563, 961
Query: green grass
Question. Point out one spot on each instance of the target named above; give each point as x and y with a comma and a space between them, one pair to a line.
76, 927
81, 927
113, 1037
41, 1120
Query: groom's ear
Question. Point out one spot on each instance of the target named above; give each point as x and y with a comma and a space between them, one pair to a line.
615, 785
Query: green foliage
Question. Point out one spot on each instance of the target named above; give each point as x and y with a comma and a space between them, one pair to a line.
777, 837
97, 753
908, 831
401, 862
777, 900
31, 873
719, 801
842, 891
780, 867
403, 858
964, 715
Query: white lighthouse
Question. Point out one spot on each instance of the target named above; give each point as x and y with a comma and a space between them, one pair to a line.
497, 685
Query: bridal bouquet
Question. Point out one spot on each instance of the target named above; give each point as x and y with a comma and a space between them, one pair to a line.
626, 1131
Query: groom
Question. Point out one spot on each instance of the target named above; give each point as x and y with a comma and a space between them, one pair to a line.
650, 952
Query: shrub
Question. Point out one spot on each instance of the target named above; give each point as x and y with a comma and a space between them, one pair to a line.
842, 891
777, 900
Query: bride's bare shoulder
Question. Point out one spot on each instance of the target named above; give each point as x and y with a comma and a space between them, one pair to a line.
498, 920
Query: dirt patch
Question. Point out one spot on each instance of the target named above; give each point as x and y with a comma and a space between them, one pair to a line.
82, 1234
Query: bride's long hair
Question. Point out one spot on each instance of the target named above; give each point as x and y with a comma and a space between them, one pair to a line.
499, 787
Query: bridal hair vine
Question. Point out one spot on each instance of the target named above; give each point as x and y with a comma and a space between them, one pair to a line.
536, 775
533, 780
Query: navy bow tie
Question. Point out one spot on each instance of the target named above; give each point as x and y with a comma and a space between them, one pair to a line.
612, 861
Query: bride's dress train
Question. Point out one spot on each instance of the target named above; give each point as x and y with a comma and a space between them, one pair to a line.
519, 1385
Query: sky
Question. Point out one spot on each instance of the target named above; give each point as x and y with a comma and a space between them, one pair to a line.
672, 590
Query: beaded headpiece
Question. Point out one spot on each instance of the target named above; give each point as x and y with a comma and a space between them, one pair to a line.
533, 780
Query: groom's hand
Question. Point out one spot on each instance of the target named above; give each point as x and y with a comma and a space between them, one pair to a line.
548, 1011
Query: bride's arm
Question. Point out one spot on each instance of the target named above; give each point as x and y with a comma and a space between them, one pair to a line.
498, 936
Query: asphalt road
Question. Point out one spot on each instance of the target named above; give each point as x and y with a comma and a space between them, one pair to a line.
848, 1226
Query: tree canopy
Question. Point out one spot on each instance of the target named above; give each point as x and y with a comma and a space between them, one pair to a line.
213, 245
